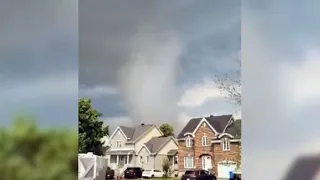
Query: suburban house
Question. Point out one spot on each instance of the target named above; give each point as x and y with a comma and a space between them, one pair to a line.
156, 150
141, 146
211, 143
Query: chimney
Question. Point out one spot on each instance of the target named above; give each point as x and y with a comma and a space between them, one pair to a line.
211, 115
142, 124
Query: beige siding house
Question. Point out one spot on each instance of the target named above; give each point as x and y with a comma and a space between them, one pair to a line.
153, 152
141, 146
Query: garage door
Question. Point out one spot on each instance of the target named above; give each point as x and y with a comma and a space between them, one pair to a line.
224, 168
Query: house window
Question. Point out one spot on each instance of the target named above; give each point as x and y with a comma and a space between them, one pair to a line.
141, 159
113, 159
204, 140
188, 142
118, 144
225, 144
147, 159
204, 124
188, 162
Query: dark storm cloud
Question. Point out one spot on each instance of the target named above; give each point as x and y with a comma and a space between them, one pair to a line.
37, 38
38, 66
106, 27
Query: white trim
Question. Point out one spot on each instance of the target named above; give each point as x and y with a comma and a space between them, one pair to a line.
188, 142
188, 133
118, 141
114, 133
204, 140
228, 124
122, 149
204, 121
226, 144
144, 146
159, 130
184, 162
175, 140
227, 161
225, 134
231, 140
203, 161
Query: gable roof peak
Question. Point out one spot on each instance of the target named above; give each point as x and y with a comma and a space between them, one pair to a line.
133, 133
216, 123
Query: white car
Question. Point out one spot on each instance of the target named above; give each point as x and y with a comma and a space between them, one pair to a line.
152, 173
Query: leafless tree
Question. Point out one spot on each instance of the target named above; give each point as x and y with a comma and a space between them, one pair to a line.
230, 86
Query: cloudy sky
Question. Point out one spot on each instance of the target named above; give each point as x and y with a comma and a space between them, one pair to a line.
145, 61
39, 61
281, 89
153, 62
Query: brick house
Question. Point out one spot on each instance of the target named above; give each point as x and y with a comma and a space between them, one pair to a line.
211, 143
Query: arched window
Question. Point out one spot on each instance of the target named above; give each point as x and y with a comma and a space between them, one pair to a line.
225, 144
188, 142
204, 140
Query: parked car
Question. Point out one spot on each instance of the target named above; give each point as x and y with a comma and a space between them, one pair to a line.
152, 173
109, 173
198, 174
133, 172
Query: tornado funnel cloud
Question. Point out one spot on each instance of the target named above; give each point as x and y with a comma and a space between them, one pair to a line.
147, 81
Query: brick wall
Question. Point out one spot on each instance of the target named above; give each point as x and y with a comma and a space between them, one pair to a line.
203, 150
220, 155
183, 152
214, 150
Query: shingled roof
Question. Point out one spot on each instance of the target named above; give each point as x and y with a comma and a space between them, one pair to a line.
133, 133
217, 122
235, 129
155, 143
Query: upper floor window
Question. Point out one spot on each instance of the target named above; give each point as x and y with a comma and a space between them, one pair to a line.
118, 144
225, 144
188, 142
204, 140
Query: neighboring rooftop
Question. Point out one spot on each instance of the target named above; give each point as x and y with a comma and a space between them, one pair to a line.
135, 132
155, 143
235, 129
217, 122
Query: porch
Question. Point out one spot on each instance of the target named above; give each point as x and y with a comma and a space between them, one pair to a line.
173, 159
121, 159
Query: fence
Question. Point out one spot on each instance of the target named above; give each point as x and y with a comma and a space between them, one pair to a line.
91, 167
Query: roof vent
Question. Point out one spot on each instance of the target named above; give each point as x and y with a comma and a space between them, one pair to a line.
142, 124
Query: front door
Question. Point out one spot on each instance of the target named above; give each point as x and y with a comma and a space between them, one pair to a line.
122, 160
206, 162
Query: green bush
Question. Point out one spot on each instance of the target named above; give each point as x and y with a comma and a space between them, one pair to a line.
165, 167
30, 153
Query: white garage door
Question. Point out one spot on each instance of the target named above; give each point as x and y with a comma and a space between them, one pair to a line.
224, 168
